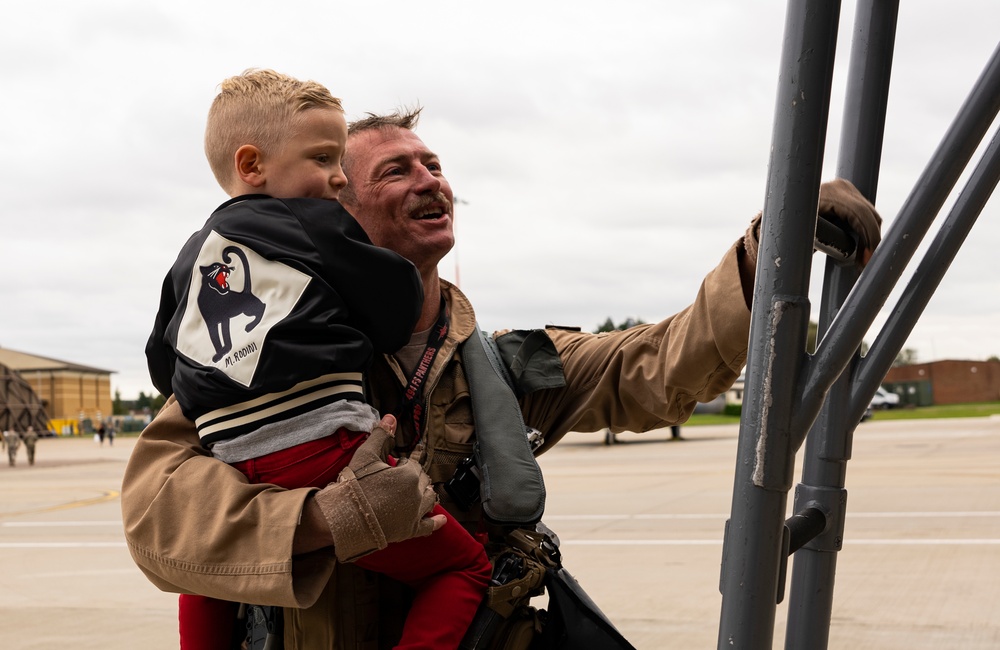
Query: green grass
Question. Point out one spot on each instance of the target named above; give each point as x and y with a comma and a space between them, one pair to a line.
711, 418
979, 410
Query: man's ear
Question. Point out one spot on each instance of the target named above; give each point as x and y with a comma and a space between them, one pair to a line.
249, 165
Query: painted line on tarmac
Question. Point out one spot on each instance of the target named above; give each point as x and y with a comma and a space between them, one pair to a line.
611, 517
57, 524
923, 542
640, 542
946, 513
107, 496
43, 545
850, 515
102, 573
587, 542
718, 542
618, 517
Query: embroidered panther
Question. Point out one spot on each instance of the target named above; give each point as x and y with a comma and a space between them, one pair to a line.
219, 304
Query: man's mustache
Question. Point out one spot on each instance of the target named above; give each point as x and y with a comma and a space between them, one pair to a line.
431, 199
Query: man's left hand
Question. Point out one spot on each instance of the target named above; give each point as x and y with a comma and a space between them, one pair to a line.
839, 198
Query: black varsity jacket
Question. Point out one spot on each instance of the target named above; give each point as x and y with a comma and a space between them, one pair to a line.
274, 308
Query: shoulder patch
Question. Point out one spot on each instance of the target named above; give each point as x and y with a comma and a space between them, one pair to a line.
235, 298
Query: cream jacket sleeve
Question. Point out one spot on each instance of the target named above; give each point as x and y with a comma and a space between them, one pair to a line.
649, 376
195, 525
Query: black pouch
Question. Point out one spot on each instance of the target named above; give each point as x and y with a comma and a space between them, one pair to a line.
264, 628
530, 565
464, 486
574, 621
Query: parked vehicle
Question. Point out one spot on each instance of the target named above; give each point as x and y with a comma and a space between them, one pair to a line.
883, 399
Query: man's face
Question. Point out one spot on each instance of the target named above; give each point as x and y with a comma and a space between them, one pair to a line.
400, 196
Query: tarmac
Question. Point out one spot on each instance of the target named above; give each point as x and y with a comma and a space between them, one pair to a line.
640, 524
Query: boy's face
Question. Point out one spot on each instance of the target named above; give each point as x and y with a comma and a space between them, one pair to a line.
307, 164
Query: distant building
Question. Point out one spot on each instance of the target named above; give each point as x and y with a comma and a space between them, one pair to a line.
73, 395
735, 394
945, 382
20, 408
926, 384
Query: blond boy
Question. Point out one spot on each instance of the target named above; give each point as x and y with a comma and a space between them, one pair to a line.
268, 321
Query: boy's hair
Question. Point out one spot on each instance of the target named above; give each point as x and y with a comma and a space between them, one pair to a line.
257, 107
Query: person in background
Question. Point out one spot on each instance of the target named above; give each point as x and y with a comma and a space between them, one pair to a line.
30, 438
13, 441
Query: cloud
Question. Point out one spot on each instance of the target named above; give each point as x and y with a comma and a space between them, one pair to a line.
608, 154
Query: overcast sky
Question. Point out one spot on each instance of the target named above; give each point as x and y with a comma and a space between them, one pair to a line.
606, 154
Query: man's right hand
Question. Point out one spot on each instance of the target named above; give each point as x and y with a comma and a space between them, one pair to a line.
373, 504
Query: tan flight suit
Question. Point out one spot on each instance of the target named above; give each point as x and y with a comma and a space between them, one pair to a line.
236, 545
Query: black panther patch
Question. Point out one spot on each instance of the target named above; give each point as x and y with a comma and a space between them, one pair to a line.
234, 299
219, 304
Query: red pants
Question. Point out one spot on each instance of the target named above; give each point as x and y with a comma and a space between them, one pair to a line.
448, 570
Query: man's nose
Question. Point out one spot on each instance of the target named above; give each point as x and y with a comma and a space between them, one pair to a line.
426, 181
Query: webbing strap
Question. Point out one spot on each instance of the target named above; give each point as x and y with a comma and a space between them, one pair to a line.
512, 488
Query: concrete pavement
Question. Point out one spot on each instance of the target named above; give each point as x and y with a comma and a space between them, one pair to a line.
641, 529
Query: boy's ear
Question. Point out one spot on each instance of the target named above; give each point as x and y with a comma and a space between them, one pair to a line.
249, 167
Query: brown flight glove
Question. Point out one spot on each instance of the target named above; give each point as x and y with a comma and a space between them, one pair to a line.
841, 199
373, 504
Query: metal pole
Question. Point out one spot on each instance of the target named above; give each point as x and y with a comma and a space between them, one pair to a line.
756, 540
897, 248
828, 446
932, 267
788, 387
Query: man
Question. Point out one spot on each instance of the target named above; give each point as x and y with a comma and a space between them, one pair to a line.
30, 438
13, 441
275, 548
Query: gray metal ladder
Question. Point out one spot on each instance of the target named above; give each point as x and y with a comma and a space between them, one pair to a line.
792, 396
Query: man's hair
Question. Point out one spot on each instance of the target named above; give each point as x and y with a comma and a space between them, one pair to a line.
257, 107
401, 118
